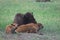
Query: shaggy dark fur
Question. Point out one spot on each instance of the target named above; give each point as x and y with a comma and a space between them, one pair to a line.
29, 18
19, 19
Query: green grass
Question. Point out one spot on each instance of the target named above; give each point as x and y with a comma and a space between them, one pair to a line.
46, 13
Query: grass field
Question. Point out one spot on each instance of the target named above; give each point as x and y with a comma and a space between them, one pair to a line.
47, 13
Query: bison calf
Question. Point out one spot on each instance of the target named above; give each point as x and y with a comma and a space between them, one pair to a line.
29, 28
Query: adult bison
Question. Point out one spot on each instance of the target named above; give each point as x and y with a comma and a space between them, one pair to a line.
19, 19
29, 18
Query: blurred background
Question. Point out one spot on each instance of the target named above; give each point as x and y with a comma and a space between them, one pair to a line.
46, 12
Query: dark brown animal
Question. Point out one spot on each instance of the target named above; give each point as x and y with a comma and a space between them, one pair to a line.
29, 18
29, 28
19, 19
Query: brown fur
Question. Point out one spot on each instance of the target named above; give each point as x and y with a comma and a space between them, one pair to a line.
40, 26
29, 28
10, 27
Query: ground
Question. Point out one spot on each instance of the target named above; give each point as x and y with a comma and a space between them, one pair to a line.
30, 36
46, 13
